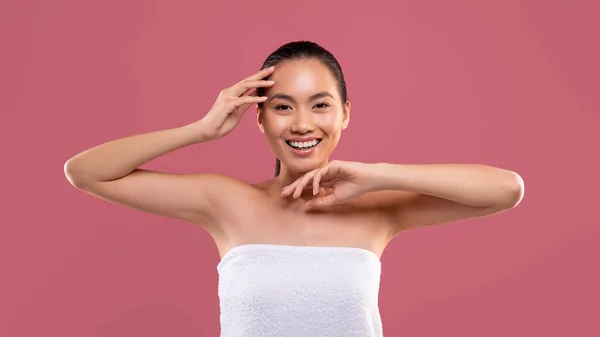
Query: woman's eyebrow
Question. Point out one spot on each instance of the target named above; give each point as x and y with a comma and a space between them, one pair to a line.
291, 99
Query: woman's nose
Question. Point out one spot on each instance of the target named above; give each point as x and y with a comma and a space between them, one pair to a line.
303, 122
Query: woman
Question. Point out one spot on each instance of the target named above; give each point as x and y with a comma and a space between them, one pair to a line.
300, 252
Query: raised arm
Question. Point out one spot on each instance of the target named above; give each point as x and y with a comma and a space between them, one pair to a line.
111, 170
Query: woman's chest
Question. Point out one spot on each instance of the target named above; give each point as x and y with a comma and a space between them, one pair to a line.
345, 226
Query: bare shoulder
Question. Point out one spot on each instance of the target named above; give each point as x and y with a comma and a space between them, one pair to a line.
227, 190
228, 184
231, 195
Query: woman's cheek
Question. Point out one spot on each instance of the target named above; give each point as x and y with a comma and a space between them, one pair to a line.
325, 119
276, 123
329, 122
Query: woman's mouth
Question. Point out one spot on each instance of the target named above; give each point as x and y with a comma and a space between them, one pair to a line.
303, 148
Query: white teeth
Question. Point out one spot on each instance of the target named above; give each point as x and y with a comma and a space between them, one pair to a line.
302, 145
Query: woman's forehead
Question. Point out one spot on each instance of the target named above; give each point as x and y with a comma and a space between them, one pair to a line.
302, 79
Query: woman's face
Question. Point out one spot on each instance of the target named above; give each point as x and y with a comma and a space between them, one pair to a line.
304, 107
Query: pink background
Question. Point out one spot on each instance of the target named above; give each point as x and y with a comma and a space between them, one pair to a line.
512, 84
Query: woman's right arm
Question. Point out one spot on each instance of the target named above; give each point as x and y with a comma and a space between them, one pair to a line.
110, 170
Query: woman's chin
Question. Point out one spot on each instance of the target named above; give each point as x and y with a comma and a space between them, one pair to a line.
303, 165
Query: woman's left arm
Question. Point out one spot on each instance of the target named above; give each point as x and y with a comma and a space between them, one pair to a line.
431, 194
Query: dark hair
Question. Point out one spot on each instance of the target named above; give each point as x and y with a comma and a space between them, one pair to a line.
305, 50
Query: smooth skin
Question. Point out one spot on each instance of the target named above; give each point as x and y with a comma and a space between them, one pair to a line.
313, 202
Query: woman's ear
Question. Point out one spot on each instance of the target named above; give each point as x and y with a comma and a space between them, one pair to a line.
259, 119
346, 117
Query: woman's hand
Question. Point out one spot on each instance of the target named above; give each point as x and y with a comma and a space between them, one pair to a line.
232, 103
347, 180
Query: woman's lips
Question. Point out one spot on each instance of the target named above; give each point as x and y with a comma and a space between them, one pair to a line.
304, 151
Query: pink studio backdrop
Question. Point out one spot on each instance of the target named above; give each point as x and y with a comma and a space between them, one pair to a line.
506, 83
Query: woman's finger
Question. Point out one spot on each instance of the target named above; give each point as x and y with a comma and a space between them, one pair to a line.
324, 201
294, 184
305, 180
244, 86
248, 100
316, 181
291, 187
298, 190
287, 191
259, 75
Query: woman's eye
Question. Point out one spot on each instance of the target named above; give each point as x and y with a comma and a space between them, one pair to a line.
284, 107
280, 106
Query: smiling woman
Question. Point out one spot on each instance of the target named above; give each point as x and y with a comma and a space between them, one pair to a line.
300, 252
311, 67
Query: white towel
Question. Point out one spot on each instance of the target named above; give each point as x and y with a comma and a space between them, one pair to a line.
288, 291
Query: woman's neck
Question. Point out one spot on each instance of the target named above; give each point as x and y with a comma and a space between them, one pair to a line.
287, 176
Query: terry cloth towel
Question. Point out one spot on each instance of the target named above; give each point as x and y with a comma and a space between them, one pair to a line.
288, 291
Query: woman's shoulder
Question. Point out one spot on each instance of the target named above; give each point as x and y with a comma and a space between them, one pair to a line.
230, 184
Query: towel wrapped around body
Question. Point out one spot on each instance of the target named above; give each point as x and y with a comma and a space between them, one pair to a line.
288, 291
